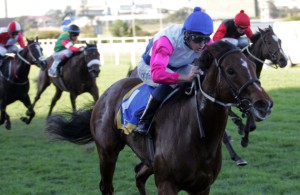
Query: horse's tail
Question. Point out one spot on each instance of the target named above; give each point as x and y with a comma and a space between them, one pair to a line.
73, 127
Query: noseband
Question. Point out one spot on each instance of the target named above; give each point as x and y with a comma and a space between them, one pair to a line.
93, 61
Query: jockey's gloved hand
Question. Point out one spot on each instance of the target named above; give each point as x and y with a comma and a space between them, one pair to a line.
81, 48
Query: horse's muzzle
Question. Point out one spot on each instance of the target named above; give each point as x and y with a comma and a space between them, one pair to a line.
262, 109
94, 73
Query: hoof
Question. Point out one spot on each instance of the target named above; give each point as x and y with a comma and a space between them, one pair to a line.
244, 143
241, 162
25, 120
7, 126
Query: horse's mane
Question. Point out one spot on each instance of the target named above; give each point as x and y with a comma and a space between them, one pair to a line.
87, 46
213, 51
257, 35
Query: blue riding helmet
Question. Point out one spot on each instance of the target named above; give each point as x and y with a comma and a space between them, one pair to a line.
73, 30
199, 22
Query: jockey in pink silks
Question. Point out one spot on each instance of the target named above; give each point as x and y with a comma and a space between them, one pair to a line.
168, 60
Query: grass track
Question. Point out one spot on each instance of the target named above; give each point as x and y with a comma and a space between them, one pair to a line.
31, 164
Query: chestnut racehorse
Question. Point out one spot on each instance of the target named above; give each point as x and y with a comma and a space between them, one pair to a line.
188, 156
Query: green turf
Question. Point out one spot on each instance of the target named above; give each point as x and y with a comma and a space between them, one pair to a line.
31, 164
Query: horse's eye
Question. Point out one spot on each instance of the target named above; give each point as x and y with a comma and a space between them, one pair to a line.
230, 71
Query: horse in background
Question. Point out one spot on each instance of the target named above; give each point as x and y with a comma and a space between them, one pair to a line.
14, 82
184, 158
78, 75
266, 46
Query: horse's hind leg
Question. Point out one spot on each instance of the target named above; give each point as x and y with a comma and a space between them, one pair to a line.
109, 147
142, 174
236, 158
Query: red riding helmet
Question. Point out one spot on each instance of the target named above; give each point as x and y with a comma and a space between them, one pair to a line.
14, 27
242, 19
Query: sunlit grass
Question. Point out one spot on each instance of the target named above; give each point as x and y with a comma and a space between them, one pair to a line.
31, 164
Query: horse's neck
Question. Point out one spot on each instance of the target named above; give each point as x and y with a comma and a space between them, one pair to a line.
257, 50
22, 68
76, 61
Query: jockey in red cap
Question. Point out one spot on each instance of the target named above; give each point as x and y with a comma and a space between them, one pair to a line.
232, 30
9, 36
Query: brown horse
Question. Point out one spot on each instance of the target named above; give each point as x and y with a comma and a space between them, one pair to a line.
14, 82
183, 159
78, 75
266, 46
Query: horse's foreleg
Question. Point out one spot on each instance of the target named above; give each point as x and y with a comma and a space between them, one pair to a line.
237, 121
30, 112
43, 83
234, 156
142, 174
54, 100
5, 118
95, 93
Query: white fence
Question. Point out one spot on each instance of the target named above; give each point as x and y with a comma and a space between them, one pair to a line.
115, 50
113, 47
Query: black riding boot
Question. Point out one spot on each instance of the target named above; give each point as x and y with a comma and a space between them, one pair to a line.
1, 60
147, 116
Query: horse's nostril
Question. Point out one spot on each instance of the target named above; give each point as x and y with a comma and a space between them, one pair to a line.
262, 105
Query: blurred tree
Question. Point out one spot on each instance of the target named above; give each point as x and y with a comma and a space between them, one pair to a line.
26, 23
69, 12
124, 29
120, 29
56, 16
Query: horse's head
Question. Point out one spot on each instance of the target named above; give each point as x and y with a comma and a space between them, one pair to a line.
231, 80
91, 57
270, 45
35, 53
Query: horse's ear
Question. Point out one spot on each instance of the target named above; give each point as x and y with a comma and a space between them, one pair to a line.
260, 30
271, 29
36, 39
204, 61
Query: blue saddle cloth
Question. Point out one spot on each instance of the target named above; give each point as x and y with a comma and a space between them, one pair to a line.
133, 104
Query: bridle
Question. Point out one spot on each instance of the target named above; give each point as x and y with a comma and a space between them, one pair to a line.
33, 59
270, 51
93, 61
243, 104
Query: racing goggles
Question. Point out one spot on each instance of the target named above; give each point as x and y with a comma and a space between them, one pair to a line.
75, 34
199, 38
14, 33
